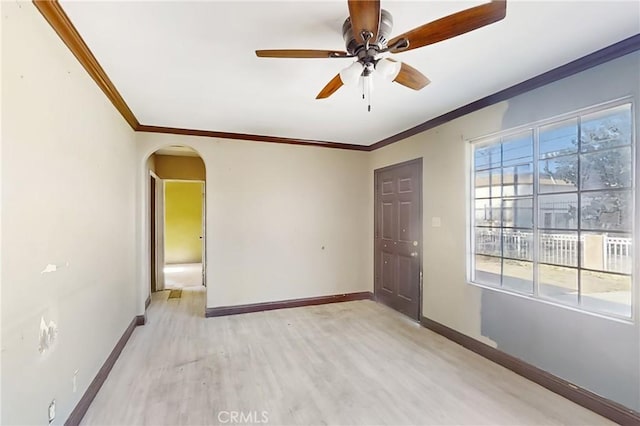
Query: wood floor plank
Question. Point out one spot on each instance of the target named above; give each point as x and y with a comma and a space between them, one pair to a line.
352, 363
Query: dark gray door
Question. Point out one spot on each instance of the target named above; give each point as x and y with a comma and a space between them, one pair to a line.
398, 236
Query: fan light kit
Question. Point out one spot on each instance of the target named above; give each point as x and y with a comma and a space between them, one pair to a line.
366, 34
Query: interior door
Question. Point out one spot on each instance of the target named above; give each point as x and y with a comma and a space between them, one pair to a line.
152, 231
159, 218
203, 237
398, 236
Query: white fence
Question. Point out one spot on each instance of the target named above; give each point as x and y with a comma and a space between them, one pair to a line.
617, 254
559, 249
602, 252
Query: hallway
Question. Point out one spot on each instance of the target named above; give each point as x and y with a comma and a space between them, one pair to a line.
182, 275
344, 363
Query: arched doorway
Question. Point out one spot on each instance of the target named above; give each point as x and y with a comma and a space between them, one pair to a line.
175, 182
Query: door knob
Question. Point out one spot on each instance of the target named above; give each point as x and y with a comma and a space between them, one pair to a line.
414, 254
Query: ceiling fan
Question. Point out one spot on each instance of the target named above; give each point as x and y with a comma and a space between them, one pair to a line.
366, 34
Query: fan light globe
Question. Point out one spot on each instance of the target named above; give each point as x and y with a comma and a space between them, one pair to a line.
351, 74
388, 69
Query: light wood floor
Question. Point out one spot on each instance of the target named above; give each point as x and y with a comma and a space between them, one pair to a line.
355, 363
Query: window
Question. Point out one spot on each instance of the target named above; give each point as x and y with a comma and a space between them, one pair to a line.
553, 211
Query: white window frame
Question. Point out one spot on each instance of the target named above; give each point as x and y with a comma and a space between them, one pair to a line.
634, 190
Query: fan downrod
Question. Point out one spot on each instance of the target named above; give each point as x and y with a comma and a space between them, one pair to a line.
368, 51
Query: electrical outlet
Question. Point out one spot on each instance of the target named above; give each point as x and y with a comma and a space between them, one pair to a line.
75, 381
52, 411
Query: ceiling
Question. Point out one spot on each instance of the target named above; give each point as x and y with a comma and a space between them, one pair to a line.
192, 64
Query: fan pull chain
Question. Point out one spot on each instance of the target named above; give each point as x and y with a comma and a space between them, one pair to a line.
366, 90
369, 93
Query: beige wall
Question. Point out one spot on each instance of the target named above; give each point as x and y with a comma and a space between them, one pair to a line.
68, 176
179, 167
446, 297
283, 222
271, 208
550, 337
1, 116
151, 163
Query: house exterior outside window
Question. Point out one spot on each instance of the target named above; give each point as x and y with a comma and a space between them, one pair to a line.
553, 210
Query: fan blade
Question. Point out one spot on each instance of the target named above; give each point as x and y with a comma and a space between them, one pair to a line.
411, 77
365, 16
453, 25
330, 88
301, 53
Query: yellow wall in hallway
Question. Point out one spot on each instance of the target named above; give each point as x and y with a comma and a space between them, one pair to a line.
179, 167
183, 222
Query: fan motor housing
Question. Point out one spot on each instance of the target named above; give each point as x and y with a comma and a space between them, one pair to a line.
386, 25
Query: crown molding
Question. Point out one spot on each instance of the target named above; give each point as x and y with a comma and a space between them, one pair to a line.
609, 53
62, 25
250, 137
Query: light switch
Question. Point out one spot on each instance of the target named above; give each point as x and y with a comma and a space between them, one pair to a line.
436, 222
